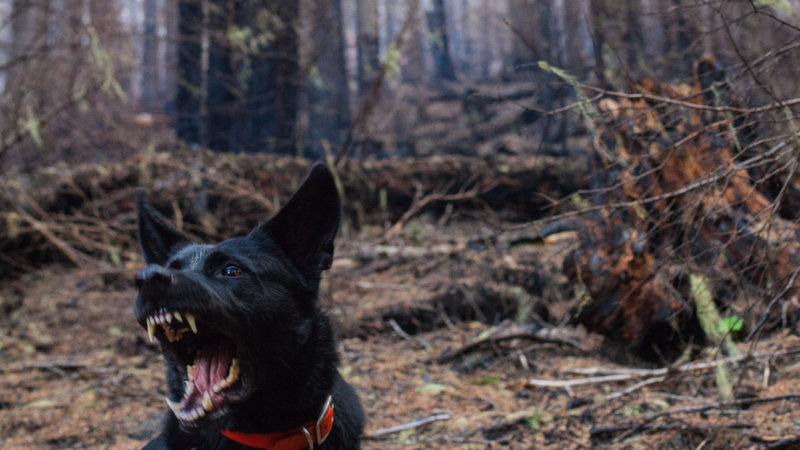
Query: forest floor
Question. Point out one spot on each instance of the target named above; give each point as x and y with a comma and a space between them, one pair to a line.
77, 371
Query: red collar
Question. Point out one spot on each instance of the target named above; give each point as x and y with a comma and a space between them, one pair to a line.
301, 437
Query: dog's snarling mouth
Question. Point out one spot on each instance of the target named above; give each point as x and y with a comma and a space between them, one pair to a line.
209, 362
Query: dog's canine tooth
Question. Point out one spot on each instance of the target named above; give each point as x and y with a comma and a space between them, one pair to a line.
232, 376
191, 321
168, 316
190, 373
207, 405
151, 330
175, 407
178, 316
234, 372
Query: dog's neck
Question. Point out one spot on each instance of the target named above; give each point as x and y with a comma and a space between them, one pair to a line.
295, 388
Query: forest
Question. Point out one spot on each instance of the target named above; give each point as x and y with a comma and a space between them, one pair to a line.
566, 224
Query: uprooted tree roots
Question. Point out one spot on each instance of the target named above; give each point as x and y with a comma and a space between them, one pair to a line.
687, 197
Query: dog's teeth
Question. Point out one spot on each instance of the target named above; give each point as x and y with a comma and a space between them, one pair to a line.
233, 375
207, 402
151, 330
194, 414
175, 407
178, 316
188, 388
190, 320
234, 372
190, 373
168, 316
216, 388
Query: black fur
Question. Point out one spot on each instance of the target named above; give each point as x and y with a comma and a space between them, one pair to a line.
271, 313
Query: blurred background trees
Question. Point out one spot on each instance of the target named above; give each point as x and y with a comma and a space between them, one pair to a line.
96, 80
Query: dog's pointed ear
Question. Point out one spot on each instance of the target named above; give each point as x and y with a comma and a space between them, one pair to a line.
307, 225
159, 239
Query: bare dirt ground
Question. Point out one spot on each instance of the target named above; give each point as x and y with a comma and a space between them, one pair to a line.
76, 370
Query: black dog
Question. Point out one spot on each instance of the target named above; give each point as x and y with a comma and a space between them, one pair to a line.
251, 359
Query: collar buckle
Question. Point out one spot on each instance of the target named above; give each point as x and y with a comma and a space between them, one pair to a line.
318, 426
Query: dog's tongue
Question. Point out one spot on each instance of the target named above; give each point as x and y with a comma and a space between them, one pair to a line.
212, 363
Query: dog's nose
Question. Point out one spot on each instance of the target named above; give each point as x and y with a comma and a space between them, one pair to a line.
154, 275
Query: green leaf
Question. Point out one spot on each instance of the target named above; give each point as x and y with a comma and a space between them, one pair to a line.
730, 324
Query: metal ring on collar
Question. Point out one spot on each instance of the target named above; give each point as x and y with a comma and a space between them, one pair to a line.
308, 437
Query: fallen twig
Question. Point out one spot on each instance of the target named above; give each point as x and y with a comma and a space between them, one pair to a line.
611, 374
405, 426
425, 344
774, 443
697, 409
421, 203
636, 387
73, 255
604, 433
507, 337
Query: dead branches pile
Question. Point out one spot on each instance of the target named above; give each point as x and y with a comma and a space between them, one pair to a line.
85, 214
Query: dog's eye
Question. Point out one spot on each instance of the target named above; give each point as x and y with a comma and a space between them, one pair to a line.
232, 271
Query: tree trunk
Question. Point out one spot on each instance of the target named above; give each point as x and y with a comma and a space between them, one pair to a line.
187, 101
205, 59
150, 57
652, 30
252, 84
633, 32
169, 84
599, 19
413, 68
558, 34
437, 26
327, 90
368, 43
29, 40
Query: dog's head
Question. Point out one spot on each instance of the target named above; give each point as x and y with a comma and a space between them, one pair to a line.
222, 312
